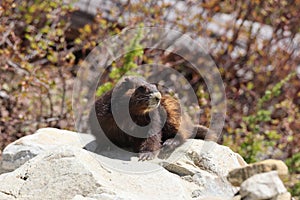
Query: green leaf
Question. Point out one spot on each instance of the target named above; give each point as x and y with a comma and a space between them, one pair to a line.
104, 88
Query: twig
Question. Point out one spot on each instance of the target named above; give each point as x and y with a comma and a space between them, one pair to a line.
18, 69
6, 34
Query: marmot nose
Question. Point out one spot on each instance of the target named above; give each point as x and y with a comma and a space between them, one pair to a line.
156, 96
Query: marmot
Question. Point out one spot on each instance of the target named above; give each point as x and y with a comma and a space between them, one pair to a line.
158, 115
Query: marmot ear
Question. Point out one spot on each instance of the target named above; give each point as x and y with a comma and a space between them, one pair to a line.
127, 83
141, 89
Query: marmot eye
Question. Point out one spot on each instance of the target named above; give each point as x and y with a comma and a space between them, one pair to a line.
141, 89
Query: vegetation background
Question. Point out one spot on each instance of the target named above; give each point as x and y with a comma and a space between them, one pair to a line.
254, 43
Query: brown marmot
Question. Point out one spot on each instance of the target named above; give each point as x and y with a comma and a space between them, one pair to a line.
137, 116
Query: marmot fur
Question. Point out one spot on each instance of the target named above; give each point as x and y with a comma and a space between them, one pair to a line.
157, 119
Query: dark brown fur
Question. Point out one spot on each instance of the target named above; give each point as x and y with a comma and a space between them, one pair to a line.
145, 103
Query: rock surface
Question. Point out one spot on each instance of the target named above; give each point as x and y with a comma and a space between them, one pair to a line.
262, 186
208, 164
58, 168
237, 176
25, 148
53, 164
204, 156
284, 196
69, 171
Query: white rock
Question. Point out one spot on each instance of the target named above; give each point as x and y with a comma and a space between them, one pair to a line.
284, 196
212, 184
262, 186
67, 171
63, 170
237, 176
6, 197
237, 197
208, 163
80, 197
197, 155
25, 148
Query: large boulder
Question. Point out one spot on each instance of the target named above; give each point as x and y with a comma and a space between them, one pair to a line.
262, 186
58, 168
52, 164
69, 172
237, 176
197, 155
208, 165
27, 147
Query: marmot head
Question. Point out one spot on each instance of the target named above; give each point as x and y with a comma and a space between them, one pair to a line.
144, 97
